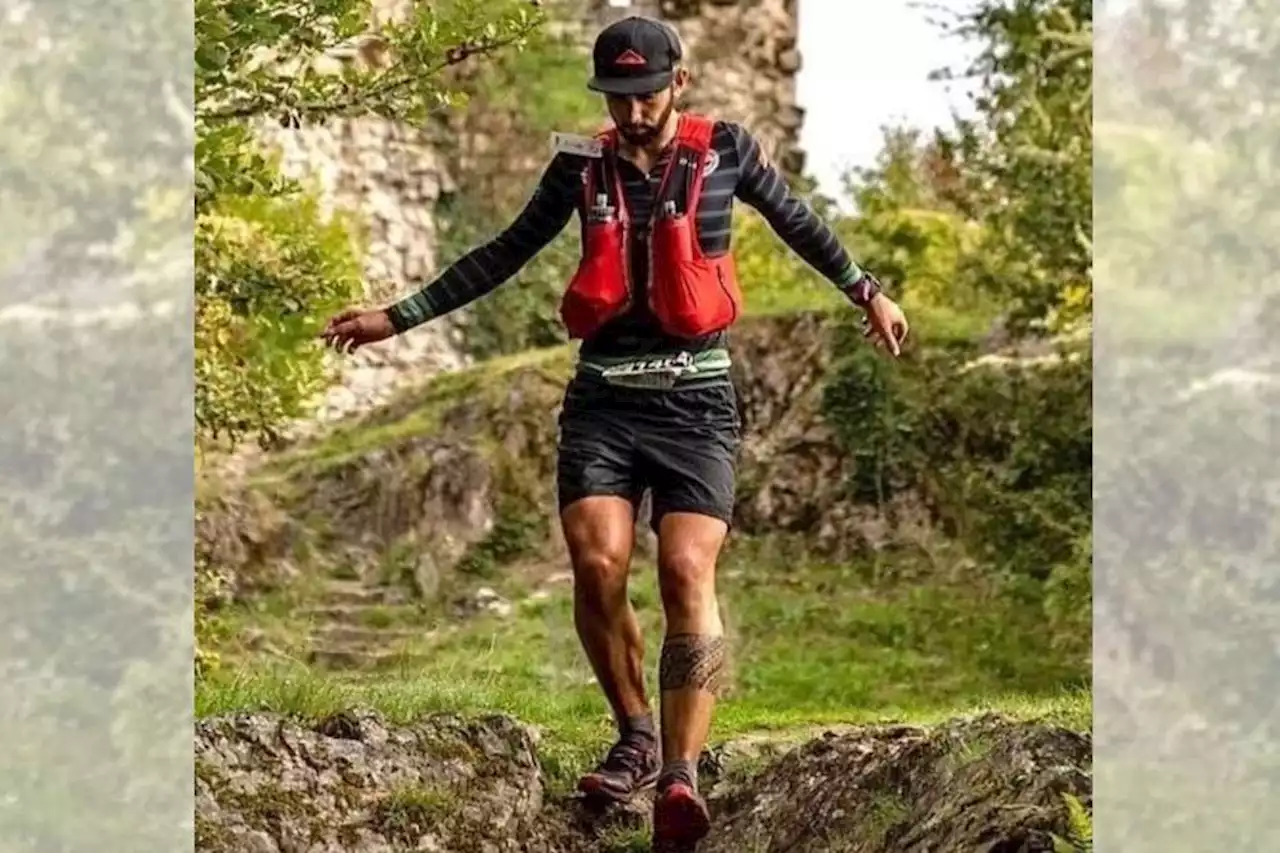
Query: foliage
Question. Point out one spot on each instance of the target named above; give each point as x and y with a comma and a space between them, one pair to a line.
1027, 157
989, 219
524, 313
773, 278
1001, 454
270, 264
1079, 828
96, 448
85, 160
266, 267
915, 239
1186, 532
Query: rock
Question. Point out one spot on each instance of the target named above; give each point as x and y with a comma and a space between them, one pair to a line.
353, 782
488, 600
484, 600
984, 784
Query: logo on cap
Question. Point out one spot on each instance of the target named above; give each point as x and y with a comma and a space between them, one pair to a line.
630, 57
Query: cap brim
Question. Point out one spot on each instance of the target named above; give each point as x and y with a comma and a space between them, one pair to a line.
646, 85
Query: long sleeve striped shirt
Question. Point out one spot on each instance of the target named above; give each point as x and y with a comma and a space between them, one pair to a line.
738, 169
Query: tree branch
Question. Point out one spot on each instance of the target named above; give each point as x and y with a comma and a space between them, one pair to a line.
453, 56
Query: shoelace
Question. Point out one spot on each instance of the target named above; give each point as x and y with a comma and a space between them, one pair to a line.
625, 756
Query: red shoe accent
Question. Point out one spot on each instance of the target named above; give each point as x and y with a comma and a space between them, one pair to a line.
680, 817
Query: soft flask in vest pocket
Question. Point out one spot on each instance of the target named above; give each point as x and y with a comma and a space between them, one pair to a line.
692, 295
598, 291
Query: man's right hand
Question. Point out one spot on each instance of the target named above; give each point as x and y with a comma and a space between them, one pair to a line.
352, 329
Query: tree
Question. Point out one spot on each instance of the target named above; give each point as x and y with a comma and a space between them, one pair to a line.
912, 232
1027, 156
1184, 570
269, 264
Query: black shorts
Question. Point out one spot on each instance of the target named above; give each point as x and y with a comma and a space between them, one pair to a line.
680, 444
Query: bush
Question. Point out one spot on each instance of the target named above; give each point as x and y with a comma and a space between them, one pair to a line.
1001, 454
268, 269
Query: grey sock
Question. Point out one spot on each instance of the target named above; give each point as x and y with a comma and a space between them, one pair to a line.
641, 724
680, 770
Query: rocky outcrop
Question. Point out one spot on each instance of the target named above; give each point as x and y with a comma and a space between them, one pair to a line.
463, 469
391, 177
356, 784
979, 785
745, 58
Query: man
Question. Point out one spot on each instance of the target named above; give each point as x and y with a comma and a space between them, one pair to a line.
651, 406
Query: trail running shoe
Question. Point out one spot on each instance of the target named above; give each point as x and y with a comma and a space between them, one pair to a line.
631, 766
680, 819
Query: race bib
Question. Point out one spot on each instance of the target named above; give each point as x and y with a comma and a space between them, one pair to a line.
569, 143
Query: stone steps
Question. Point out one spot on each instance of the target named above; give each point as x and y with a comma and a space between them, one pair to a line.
347, 614
354, 635
340, 658
345, 634
357, 615
356, 593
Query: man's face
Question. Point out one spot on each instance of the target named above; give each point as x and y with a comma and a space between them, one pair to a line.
640, 118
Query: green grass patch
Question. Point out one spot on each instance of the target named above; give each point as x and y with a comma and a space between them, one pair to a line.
626, 840
409, 812
814, 645
414, 412
886, 812
1079, 828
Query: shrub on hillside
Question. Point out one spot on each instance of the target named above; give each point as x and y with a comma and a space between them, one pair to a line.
1000, 453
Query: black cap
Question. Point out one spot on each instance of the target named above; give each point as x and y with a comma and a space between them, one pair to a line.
635, 56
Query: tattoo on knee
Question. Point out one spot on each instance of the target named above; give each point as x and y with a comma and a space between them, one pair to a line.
693, 660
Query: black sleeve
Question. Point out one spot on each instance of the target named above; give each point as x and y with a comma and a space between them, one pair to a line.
484, 268
762, 186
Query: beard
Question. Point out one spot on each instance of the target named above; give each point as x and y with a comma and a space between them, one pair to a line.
641, 135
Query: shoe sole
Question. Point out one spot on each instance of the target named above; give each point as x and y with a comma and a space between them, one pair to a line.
597, 790
679, 819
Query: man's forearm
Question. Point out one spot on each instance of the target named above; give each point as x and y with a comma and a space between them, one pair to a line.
458, 286
858, 285
483, 269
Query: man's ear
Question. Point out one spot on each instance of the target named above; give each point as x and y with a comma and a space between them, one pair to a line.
681, 81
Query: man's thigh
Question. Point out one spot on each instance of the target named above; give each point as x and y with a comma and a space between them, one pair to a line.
596, 453
690, 460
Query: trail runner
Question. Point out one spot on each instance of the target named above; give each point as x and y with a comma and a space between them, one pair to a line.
651, 405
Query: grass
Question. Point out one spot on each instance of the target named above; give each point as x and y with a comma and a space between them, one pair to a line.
408, 812
415, 412
815, 645
626, 840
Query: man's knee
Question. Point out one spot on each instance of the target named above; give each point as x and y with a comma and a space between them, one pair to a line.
686, 577
600, 576
600, 533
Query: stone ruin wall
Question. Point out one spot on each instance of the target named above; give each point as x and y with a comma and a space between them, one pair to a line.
744, 59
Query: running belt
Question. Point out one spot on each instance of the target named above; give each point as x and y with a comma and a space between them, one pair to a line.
665, 371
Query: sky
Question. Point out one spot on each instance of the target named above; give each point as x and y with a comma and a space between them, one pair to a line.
866, 64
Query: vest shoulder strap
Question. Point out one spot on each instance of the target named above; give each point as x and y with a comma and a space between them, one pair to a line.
695, 132
609, 136
599, 174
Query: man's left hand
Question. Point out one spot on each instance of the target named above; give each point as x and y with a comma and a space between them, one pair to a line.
885, 324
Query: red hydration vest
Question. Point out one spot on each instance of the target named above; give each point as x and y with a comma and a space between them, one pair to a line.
690, 293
